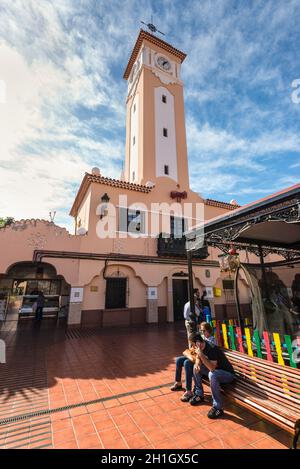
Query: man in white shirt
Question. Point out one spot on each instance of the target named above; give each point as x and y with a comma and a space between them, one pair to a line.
189, 322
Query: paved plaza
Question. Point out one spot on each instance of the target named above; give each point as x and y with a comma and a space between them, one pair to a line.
109, 388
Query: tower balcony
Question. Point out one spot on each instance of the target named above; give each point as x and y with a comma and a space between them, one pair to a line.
175, 247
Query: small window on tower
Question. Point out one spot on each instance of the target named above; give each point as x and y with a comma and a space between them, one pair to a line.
134, 107
133, 141
166, 169
165, 132
133, 176
164, 98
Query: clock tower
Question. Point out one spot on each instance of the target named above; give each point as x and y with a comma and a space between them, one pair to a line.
155, 123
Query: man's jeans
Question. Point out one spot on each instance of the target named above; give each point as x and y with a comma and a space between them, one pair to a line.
216, 378
39, 313
188, 368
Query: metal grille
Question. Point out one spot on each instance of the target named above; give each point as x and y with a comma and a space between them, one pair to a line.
115, 296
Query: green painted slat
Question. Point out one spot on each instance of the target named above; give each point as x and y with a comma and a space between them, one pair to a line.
232, 337
257, 343
288, 342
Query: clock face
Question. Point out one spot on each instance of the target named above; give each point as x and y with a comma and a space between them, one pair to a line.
163, 63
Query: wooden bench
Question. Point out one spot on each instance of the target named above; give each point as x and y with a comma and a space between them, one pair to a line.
270, 390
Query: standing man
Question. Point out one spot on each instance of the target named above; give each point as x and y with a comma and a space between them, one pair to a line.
190, 322
205, 306
40, 302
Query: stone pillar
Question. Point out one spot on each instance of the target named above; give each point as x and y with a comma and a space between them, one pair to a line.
74, 316
76, 301
152, 305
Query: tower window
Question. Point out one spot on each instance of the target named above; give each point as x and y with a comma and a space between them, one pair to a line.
166, 169
165, 132
133, 140
134, 107
133, 175
164, 98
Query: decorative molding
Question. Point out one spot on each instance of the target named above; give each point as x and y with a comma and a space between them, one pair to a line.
117, 273
164, 78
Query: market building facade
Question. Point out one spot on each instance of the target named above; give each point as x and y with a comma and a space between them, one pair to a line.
136, 274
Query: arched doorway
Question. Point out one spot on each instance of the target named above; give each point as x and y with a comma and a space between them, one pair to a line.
22, 283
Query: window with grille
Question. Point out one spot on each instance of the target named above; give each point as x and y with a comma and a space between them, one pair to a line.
115, 295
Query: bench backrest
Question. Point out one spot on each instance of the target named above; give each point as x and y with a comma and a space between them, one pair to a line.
267, 380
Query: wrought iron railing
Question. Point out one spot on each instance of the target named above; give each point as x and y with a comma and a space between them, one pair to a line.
175, 247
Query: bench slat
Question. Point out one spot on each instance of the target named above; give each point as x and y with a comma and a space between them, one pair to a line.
269, 400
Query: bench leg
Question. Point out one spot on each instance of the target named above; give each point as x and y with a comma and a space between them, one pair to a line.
295, 439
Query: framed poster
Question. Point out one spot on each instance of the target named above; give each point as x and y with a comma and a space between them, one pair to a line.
209, 292
152, 293
76, 295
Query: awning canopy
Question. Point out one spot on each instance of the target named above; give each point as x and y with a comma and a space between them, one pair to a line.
271, 223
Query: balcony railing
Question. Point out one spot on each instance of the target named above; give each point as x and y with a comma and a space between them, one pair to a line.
175, 247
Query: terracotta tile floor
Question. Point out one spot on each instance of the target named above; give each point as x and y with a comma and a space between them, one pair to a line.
116, 384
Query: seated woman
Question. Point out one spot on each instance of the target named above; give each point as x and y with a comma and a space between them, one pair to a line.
207, 333
186, 361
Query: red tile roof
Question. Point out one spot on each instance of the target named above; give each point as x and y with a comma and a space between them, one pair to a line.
90, 178
219, 204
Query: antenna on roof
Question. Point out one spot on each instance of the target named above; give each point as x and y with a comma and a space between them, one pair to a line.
152, 27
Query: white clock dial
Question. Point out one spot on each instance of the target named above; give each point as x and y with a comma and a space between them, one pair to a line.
163, 63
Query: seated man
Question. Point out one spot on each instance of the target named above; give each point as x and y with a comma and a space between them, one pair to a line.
207, 333
211, 362
188, 365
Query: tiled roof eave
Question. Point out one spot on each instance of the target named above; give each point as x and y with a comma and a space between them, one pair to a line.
91, 178
118, 183
220, 204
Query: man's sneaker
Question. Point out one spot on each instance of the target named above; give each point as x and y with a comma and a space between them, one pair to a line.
176, 387
215, 413
186, 396
196, 400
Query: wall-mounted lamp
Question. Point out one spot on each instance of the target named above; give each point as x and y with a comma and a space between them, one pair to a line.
103, 207
105, 198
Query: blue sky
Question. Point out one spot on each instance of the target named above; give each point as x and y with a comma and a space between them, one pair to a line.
62, 63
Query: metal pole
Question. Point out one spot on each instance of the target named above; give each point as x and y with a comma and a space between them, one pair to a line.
237, 299
191, 287
264, 277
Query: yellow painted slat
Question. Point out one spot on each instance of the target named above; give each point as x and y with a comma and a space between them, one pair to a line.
225, 336
280, 360
248, 341
276, 337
